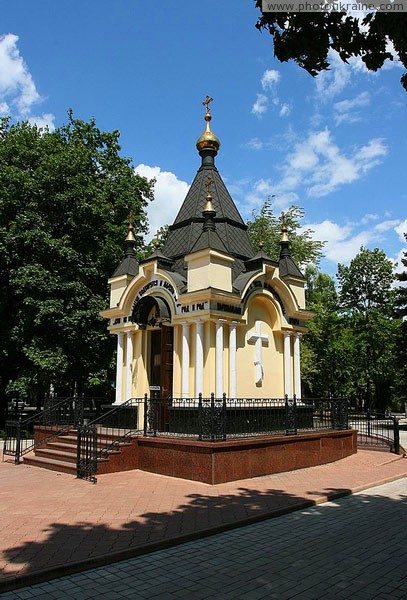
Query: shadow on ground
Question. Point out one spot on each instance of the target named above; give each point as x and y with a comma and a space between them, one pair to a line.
71, 548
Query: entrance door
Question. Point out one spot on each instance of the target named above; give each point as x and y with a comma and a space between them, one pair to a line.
167, 351
161, 360
161, 366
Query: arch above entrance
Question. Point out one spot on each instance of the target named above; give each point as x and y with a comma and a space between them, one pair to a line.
142, 309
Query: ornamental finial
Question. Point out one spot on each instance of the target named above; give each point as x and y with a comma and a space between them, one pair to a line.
208, 139
130, 230
284, 230
206, 103
157, 241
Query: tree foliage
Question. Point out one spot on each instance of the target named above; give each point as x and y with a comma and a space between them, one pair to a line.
265, 228
401, 342
367, 299
307, 38
65, 197
328, 341
351, 348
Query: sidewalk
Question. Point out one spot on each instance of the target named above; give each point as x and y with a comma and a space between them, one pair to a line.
53, 524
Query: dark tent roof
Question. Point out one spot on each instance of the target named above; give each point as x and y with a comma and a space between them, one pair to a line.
185, 234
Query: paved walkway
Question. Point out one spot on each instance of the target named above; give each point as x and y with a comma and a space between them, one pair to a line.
350, 549
53, 524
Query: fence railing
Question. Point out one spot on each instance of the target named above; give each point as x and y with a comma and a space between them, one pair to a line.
203, 418
376, 430
227, 418
59, 415
106, 433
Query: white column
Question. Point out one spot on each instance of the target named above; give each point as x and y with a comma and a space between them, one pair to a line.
287, 364
185, 361
297, 366
199, 358
232, 360
119, 368
129, 364
219, 359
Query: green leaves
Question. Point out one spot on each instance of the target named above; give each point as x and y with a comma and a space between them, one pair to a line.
307, 38
266, 228
354, 340
65, 198
366, 282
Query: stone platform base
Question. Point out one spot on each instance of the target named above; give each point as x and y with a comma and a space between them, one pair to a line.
208, 462
219, 462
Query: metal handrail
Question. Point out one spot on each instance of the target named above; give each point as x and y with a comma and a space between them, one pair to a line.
115, 434
54, 416
98, 437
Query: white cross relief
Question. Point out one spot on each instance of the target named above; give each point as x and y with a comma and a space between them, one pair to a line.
259, 340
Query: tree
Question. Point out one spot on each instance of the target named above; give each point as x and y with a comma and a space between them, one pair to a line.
401, 342
327, 356
307, 38
367, 302
265, 228
65, 197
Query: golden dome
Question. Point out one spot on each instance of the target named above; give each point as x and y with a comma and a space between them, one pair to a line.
208, 139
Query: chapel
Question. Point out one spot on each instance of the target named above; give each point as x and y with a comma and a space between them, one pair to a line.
207, 313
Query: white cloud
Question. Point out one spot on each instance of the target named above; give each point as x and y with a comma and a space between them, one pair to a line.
46, 120
347, 110
270, 78
401, 230
4, 109
254, 144
322, 167
169, 193
260, 106
395, 63
362, 99
399, 266
369, 217
18, 93
386, 225
342, 244
332, 82
15, 78
285, 110
262, 190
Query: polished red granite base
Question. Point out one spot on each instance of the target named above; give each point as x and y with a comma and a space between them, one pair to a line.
218, 462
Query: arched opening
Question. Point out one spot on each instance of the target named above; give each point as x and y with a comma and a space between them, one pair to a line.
151, 310
152, 313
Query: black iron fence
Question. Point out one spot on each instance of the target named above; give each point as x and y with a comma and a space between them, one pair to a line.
376, 430
59, 415
227, 418
203, 418
106, 433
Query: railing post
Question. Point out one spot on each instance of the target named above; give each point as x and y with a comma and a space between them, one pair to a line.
200, 416
291, 415
145, 415
396, 430
212, 428
78, 450
368, 422
18, 442
154, 412
224, 416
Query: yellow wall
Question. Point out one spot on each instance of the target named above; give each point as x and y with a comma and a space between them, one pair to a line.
207, 269
260, 309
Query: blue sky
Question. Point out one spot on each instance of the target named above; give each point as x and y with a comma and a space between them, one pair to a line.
335, 145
